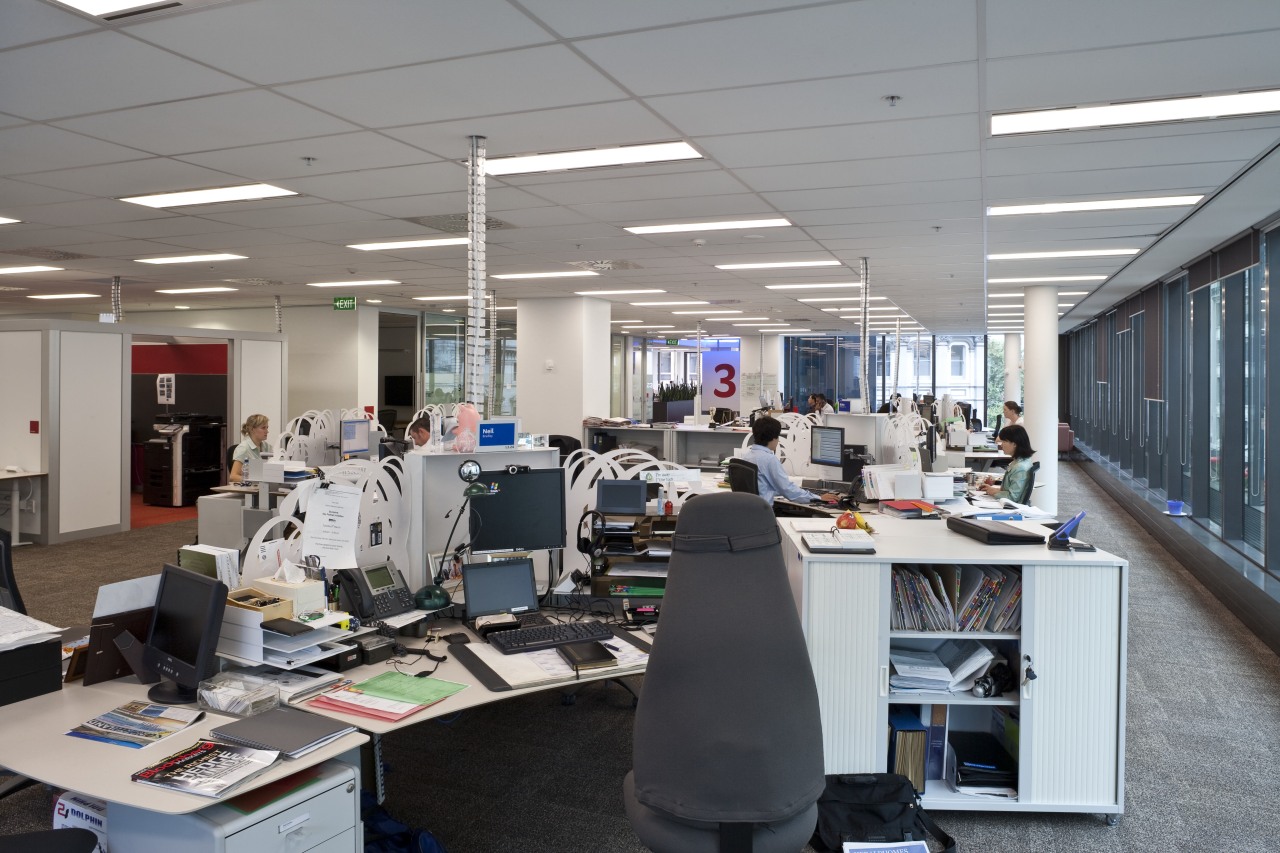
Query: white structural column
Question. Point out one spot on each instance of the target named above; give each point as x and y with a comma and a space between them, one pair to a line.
562, 363
1012, 367
1040, 347
475, 373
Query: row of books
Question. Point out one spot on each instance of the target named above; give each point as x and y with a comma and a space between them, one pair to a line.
956, 598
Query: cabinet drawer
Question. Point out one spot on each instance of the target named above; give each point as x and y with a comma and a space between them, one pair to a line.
301, 828
344, 843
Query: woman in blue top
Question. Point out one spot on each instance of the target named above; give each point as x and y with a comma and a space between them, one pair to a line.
1015, 442
254, 446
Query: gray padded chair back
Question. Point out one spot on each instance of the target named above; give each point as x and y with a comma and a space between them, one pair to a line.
743, 476
728, 730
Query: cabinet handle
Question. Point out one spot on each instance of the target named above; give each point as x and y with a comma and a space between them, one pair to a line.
884, 681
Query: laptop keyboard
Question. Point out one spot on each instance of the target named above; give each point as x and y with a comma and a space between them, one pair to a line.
548, 636
838, 486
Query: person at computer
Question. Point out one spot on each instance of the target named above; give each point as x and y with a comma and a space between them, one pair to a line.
1012, 415
773, 482
1013, 441
253, 446
420, 431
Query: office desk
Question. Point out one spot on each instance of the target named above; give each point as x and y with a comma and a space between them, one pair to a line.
15, 479
977, 460
35, 744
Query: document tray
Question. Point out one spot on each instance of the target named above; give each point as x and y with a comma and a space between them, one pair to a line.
993, 532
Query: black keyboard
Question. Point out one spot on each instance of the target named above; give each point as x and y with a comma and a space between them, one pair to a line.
548, 636
790, 509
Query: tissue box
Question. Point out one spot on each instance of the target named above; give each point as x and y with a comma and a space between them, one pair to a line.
77, 811
305, 595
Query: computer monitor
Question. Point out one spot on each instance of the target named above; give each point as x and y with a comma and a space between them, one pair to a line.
825, 444
498, 434
355, 437
183, 637
621, 497
503, 586
523, 511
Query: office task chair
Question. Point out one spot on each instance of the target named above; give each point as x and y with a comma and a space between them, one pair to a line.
68, 840
727, 750
230, 453
387, 417
743, 476
12, 599
1025, 497
567, 444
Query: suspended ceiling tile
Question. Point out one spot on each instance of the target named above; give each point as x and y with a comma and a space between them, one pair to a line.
1156, 180
24, 21
161, 229
1190, 147
342, 152
19, 192
40, 148
308, 214
550, 76
572, 18
136, 177
86, 213
638, 189
277, 42
500, 200
435, 177
204, 124
674, 209
880, 196
855, 173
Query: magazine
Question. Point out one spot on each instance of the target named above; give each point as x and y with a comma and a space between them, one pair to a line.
136, 724
207, 768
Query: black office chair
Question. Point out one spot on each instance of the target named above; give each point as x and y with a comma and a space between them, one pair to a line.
567, 444
12, 599
387, 417
727, 757
1025, 497
743, 476
69, 840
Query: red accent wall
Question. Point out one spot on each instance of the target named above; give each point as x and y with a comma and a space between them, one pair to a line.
209, 359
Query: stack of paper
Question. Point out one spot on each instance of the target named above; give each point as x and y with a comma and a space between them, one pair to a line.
18, 629
389, 696
220, 563
950, 668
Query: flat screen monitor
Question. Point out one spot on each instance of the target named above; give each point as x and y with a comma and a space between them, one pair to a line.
621, 497
355, 437
183, 637
523, 511
397, 390
503, 586
825, 444
498, 434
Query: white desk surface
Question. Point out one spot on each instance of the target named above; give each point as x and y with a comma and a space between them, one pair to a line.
11, 475
34, 743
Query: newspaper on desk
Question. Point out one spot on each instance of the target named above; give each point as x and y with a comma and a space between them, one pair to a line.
18, 629
546, 666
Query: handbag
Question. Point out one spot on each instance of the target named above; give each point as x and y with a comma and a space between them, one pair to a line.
873, 807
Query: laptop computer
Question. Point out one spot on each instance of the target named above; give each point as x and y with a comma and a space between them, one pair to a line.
502, 593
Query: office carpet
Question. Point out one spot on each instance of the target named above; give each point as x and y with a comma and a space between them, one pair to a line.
1203, 728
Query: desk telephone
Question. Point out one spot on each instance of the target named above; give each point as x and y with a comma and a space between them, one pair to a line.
374, 592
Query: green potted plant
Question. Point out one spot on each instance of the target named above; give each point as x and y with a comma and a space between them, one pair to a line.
673, 401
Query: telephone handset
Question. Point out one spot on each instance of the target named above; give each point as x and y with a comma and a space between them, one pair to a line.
374, 592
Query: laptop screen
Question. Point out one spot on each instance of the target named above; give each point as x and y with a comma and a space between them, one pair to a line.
504, 586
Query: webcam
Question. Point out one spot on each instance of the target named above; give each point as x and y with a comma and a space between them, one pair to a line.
517, 469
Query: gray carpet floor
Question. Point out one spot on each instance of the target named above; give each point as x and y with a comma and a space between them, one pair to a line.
1202, 735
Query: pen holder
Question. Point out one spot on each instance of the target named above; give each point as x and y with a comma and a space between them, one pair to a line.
269, 605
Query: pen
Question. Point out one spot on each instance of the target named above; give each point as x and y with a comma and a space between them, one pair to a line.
610, 646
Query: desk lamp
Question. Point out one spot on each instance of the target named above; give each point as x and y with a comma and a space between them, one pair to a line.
433, 596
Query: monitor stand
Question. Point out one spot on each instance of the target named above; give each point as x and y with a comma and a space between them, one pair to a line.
171, 693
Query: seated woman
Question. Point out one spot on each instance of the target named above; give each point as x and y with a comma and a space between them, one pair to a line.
1012, 414
1013, 441
254, 446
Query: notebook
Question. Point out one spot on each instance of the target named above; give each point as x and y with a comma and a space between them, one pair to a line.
287, 730
502, 588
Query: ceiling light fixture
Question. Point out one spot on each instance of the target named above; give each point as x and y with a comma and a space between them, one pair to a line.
366, 283
1145, 112
573, 274
102, 7
1081, 253
707, 226
189, 259
785, 331
670, 302
1101, 204
615, 322
504, 308
4, 220
183, 307
705, 313
669, 326
440, 298
839, 298
217, 195
200, 290
840, 284
613, 292
64, 296
780, 265
374, 301
761, 325
18, 270
1012, 294
410, 244
728, 319
1073, 293
1046, 279
593, 158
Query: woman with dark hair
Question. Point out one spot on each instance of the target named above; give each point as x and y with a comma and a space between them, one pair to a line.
1012, 413
1015, 442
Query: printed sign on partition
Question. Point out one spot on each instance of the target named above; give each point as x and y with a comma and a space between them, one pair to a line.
721, 380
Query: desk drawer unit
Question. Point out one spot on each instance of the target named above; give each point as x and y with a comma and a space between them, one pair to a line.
322, 817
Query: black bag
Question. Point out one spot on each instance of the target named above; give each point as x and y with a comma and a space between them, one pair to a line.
873, 807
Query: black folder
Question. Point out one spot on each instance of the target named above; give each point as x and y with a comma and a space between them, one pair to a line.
982, 761
993, 532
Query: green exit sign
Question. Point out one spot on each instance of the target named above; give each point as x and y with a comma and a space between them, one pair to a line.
671, 342
344, 303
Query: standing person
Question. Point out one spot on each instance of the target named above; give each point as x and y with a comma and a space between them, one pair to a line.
253, 446
773, 481
1012, 414
1015, 442
420, 431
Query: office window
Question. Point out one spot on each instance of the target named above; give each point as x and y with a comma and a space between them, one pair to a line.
957, 360
1255, 406
1215, 401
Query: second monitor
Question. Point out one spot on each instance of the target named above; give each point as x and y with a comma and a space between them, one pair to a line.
521, 511
825, 445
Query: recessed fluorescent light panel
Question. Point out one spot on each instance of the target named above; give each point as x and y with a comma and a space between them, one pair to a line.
573, 274
706, 313
374, 301
615, 322
368, 283
708, 226
778, 266
1073, 293
504, 308
1081, 253
189, 259
64, 296
591, 159
4, 220
440, 298
813, 286
200, 290
1046, 279
18, 270
786, 331
613, 292
759, 325
671, 302
411, 244
1101, 204
247, 192
102, 7
1147, 112
650, 327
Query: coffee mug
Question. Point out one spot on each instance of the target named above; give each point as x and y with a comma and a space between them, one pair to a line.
1175, 507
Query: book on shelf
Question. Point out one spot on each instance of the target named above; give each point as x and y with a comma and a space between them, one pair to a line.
208, 769
136, 724
908, 738
935, 719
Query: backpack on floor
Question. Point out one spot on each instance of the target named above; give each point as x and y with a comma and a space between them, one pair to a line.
384, 834
873, 807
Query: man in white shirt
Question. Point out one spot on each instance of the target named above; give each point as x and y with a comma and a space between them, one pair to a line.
773, 481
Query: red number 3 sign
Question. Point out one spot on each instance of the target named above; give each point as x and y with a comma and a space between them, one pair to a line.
722, 384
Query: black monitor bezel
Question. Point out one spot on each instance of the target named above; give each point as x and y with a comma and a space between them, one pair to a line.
553, 530
813, 446
471, 569
181, 678
638, 493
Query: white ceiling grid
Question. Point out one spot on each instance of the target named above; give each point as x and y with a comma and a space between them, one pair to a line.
365, 109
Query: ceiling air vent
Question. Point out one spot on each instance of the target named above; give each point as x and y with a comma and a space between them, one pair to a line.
46, 254
6, 287
254, 282
126, 11
605, 266
456, 223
